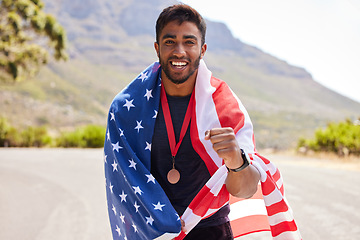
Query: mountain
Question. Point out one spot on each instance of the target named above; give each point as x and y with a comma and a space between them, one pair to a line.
111, 41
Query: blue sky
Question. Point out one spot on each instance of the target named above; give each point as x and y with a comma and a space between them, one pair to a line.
322, 36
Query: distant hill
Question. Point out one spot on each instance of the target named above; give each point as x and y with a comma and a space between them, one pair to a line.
111, 41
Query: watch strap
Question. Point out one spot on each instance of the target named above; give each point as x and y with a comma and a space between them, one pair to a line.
244, 165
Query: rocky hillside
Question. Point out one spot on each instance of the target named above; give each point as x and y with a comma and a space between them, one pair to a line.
111, 41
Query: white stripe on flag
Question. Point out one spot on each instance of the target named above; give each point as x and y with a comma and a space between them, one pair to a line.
272, 168
205, 107
190, 219
280, 217
288, 235
216, 182
272, 198
279, 183
247, 207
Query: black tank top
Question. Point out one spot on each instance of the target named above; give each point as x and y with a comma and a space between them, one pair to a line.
193, 171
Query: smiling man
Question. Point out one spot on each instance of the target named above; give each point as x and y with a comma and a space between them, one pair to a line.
179, 48
192, 146
180, 45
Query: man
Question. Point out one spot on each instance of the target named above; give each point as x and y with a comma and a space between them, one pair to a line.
194, 150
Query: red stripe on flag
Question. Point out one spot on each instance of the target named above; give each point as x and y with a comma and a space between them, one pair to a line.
283, 227
250, 224
266, 161
277, 175
221, 199
181, 236
268, 186
206, 199
224, 101
277, 208
200, 204
282, 190
253, 139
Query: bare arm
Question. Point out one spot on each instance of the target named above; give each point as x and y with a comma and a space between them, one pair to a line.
241, 184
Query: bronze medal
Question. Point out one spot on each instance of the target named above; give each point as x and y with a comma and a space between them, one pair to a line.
173, 176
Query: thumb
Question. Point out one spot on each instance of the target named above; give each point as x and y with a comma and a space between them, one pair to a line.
207, 135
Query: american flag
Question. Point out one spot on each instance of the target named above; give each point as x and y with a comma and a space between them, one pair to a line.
137, 205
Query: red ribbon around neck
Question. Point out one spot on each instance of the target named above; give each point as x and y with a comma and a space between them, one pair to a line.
174, 147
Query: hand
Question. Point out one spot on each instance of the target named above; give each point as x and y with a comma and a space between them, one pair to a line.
241, 184
225, 145
182, 226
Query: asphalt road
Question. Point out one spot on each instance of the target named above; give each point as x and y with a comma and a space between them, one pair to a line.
60, 194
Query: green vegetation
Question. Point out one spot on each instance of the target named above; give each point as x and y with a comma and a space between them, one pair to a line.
90, 136
29, 137
35, 137
23, 25
342, 138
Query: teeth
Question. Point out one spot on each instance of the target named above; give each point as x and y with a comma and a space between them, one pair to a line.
179, 64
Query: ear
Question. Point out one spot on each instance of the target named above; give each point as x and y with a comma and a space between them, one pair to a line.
203, 50
156, 46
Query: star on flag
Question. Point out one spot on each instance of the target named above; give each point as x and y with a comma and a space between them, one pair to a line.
129, 104
158, 206
148, 94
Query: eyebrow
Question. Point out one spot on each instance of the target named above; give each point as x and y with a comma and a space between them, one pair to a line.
168, 36
184, 37
190, 37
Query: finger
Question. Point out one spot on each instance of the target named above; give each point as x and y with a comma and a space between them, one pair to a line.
207, 134
217, 131
183, 226
221, 142
224, 138
212, 132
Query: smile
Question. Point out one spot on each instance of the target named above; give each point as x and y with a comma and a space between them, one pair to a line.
178, 64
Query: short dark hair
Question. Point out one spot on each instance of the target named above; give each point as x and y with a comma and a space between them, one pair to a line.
181, 13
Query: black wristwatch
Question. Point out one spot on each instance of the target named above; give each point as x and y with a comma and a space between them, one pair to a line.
244, 165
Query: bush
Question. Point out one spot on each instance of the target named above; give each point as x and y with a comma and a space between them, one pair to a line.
35, 137
30, 137
13, 138
91, 136
70, 139
94, 136
4, 131
342, 138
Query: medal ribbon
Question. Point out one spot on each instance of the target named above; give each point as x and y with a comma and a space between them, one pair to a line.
174, 147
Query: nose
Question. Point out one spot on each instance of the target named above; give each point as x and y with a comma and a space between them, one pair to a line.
179, 50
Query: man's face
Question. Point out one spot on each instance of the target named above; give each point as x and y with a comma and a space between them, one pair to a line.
179, 50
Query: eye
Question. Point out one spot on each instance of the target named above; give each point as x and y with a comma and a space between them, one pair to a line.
190, 42
169, 42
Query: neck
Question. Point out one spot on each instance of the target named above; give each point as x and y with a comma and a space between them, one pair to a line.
178, 90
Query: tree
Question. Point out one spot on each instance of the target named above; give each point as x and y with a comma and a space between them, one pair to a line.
342, 138
27, 36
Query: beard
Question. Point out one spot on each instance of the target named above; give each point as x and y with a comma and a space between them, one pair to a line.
175, 77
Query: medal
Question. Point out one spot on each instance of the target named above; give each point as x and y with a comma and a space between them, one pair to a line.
173, 175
